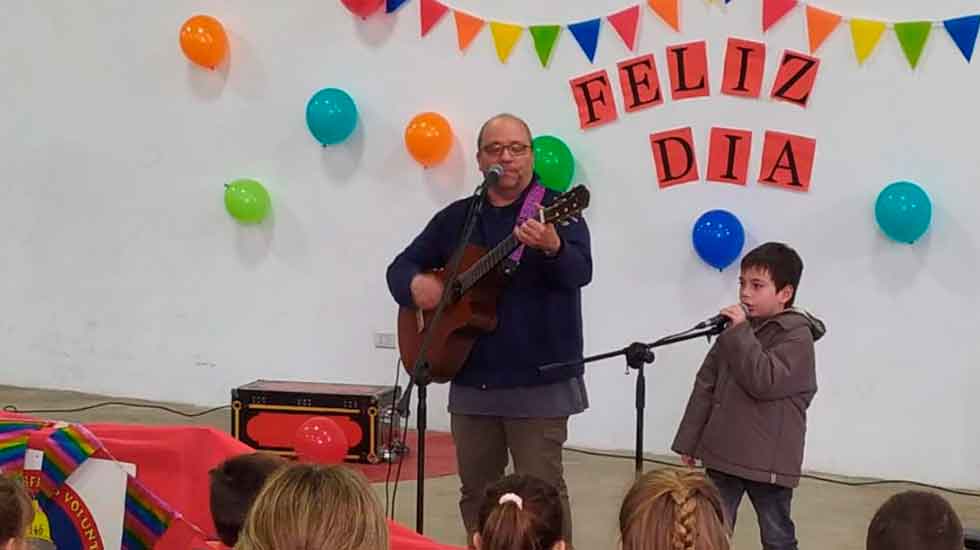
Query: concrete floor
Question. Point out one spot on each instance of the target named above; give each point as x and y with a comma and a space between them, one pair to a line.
828, 516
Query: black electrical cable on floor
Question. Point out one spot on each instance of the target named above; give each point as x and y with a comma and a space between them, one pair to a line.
13, 408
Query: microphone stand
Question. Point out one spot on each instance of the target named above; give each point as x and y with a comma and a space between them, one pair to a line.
420, 376
638, 355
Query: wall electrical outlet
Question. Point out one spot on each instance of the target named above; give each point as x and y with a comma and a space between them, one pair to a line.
384, 340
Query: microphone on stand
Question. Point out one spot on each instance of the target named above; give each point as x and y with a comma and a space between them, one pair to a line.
492, 174
718, 320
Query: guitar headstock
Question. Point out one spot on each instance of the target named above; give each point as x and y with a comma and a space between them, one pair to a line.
566, 206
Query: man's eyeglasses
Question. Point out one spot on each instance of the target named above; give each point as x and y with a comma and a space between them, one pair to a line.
516, 149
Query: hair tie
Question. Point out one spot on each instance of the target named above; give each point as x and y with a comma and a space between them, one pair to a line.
511, 497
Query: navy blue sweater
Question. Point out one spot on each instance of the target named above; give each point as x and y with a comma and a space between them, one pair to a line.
539, 314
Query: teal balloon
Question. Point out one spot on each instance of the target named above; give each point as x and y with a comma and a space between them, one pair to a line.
553, 162
903, 211
247, 201
331, 116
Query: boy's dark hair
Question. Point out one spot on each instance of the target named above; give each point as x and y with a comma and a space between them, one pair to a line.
915, 520
16, 510
782, 263
536, 523
234, 485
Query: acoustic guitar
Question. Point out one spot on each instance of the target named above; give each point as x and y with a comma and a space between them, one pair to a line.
471, 309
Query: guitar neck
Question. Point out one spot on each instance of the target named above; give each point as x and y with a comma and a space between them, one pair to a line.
485, 265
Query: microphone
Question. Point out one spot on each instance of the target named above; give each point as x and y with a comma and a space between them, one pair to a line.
492, 174
718, 320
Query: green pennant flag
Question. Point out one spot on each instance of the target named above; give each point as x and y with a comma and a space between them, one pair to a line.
544, 40
913, 35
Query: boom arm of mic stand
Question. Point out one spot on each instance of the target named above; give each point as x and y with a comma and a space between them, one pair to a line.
637, 348
637, 356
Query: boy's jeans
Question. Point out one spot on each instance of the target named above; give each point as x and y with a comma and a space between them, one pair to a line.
771, 503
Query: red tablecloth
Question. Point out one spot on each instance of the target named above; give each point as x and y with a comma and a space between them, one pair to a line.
173, 461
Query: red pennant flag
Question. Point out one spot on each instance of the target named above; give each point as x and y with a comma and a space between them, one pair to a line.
625, 23
432, 11
774, 10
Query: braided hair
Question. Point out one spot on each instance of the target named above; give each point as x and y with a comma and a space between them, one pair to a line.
673, 509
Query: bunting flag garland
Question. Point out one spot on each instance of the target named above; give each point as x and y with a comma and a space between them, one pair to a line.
774, 10
392, 5
505, 35
626, 23
586, 34
430, 13
963, 31
912, 36
667, 10
544, 40
467, 27
866, 33
819, 25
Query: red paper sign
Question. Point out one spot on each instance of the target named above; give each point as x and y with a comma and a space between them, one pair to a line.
787, 160
688, 68
745, 62
593, 95
728, 155
639, 83
795, 79
673, 156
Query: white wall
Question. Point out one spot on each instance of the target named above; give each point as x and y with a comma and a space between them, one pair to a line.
123, 274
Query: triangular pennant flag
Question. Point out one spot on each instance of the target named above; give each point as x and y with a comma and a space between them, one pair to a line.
912, 35
392, 5
866, 34
667, 10
467, 27
774, 10
586, 33
505, 35
963, 31
625, 23
819, 24
544, 40
432, 12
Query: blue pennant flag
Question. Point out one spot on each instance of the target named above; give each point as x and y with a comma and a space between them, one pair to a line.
963, 31
586, 34
392, 5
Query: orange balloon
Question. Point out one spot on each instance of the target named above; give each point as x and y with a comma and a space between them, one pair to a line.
204, 41
429, 138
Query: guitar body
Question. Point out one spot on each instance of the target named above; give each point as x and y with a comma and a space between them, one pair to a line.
463, 321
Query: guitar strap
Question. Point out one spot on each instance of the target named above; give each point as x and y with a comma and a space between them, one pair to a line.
530, 209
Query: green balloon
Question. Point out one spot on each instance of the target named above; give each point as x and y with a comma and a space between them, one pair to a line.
553, 163
247, 201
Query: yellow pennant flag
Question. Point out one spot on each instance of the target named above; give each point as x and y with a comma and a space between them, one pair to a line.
505, 35
866, 34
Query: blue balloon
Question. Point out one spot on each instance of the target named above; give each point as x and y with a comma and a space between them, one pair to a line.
331, 116
718, 238
903, 211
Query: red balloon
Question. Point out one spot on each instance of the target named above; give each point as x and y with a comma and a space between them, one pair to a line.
362, 8
321, 440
